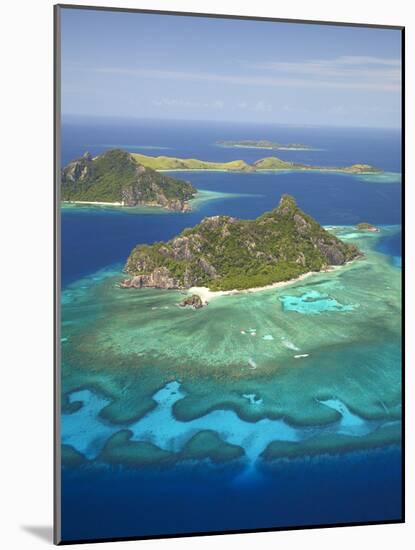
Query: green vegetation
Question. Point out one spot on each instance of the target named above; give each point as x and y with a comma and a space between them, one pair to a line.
116, 177
267, 163
275, 163
262, 144
131, 179
225, 253
172, 163
361, 169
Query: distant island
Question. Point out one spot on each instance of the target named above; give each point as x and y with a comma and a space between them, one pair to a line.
225, 253
168, 164
120, 178
163, 163
264, 144
116, 178
364, 226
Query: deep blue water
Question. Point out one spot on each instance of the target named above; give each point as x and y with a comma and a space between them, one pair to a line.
362, 487
392, 245
339, 146
93, 240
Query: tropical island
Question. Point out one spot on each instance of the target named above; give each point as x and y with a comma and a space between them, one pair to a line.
364, 226
116, 178
264, 144
168, 164
225, 253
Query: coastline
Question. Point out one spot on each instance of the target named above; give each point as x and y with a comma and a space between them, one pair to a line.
99, 203
201, 170
148, 206
282, 148
206, 294
200, 197
335, 170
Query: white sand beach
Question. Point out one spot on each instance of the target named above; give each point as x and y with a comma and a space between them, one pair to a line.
206, 294
96, 202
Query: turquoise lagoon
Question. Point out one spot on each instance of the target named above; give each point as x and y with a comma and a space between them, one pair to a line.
312, 367
202, 197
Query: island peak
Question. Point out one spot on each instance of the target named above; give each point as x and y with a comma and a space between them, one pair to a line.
287, 204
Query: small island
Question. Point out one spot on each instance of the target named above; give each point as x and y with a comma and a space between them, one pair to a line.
225, 253
367, 227
264, 144
270, 164
116, 178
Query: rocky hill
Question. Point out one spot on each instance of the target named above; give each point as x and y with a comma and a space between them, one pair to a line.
117, 177
226, 253
173, 163
266, 163
275, 163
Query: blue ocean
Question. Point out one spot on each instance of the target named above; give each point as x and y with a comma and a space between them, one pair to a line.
364, 485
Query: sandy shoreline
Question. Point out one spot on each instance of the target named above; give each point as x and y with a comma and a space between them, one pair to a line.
330, 170
206, 294
197, 170
95, 202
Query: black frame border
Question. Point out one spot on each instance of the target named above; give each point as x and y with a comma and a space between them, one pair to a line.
57, 272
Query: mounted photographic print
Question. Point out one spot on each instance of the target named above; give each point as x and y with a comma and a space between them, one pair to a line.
228, 274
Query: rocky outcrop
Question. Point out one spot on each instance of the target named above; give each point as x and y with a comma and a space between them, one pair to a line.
78, 170
158, 278
332, 253
194, 301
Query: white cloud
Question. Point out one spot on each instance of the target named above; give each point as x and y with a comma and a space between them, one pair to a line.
359, 73
368, 60
174, 102
262, 107
345, 71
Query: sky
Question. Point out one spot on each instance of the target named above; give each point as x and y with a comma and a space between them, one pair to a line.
120, 64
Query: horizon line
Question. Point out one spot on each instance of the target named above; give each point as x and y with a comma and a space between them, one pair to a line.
212, 122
